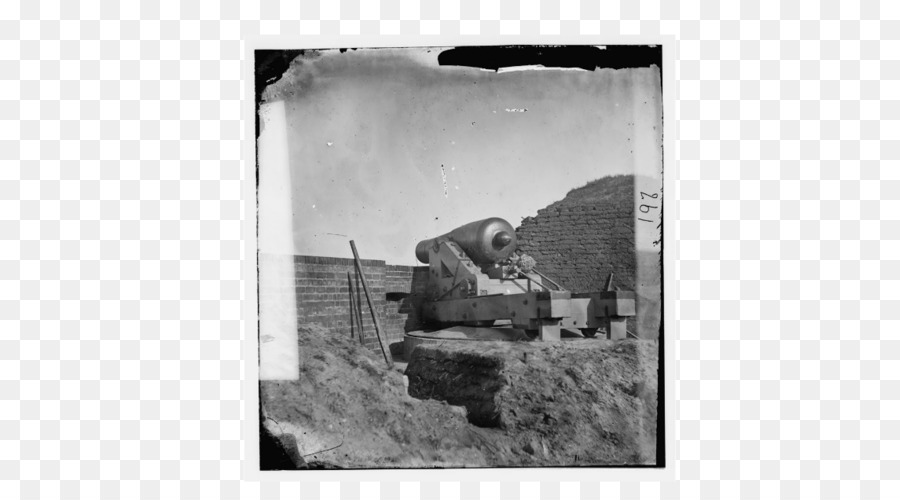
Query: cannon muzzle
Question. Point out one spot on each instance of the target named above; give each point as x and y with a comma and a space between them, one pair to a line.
485, 241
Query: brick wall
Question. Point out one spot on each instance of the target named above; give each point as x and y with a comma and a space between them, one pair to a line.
579, 246
580, 239
322, 295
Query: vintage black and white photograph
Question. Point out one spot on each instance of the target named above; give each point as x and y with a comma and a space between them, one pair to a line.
460, 257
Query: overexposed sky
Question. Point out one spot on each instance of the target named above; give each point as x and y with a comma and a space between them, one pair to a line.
385, 147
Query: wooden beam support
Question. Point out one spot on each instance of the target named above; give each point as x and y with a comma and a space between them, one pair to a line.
384, 348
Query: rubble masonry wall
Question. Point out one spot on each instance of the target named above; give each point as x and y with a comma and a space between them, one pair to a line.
579, 246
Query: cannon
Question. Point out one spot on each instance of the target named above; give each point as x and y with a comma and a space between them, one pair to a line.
476, 277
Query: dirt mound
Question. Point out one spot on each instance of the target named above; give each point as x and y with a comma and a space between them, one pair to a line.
347, 400
580, 402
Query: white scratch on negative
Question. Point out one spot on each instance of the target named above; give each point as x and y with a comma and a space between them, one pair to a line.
444, 179
537, 67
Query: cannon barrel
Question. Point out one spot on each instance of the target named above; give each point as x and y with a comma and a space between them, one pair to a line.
485, 241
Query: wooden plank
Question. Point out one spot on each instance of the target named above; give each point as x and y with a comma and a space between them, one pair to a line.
518, 307
359, 307
384, 348
542, 275
352, 307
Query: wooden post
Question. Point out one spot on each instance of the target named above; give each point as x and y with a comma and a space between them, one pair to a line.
356, 307
352, 305
359, 312
384, 349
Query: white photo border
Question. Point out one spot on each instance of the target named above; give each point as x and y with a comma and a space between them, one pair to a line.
250, 467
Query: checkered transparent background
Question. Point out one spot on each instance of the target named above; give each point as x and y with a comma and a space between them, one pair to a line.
120, 157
